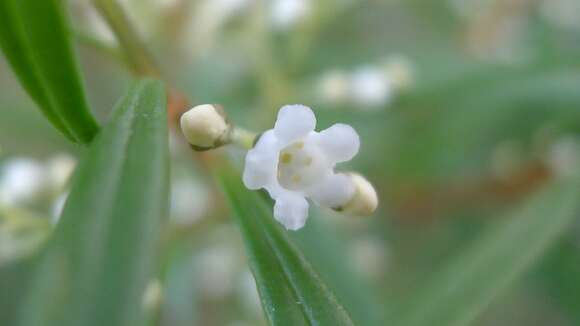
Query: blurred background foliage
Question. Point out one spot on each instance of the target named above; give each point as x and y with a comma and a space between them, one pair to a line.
467, 109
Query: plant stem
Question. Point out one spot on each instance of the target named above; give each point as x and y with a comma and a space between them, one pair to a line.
243, 137
138, 57
109, 50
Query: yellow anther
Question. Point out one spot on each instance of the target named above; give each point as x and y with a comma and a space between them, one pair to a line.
308, 161
296, 178
299, 145
286, 158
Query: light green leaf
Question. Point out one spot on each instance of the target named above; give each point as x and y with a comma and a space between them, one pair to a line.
36, 41
291, 291
469, 283
99, 259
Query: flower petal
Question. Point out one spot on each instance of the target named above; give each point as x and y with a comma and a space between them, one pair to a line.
335, 191
291, 210
340, 142
294, 122
261, 162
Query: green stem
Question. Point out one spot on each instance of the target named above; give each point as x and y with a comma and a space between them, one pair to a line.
108, 50
138, 56
243, 137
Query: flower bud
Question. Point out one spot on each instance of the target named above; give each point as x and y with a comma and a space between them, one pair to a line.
364, 201
206, 127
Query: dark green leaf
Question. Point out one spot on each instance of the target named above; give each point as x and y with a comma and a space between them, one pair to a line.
99, 260
559, 277
291, 291
469, 283
36, 41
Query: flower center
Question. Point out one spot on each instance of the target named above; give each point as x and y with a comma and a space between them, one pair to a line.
300, 166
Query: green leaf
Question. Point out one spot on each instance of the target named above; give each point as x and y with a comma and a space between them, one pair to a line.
324, 248
559, 278
36, 41
291, 291
469, 283
100, 257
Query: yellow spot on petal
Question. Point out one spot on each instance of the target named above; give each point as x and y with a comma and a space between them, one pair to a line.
286, 158
296, 178
308, 161
299, 144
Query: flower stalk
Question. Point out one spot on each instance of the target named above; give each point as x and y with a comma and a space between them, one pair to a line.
139, 59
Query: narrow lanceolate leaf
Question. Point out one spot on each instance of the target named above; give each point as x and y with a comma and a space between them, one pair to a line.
99, 260
322, 246
464, 288
291, 291
35, 38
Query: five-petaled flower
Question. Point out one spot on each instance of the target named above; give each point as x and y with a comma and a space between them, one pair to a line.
292, 161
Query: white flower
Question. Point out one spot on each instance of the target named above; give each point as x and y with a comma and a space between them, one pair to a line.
21, 180
287, 13
333, 86
564, 156
292, 162
59, 168
188, 201
562, 13
399, 70
371, 87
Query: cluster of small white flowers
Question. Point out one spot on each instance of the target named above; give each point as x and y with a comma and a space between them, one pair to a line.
367, 86
291, 161
24, 180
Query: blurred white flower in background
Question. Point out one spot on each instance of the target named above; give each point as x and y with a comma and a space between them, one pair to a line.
189, 200
218, 270
25, 181
400, 70
561, 13
371, 87
285, 14
367, 87
57, 207
248, 293
208, 18
153, 295
91, 22
59, 170
21, 180
563, 156
333, 86
370, 257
